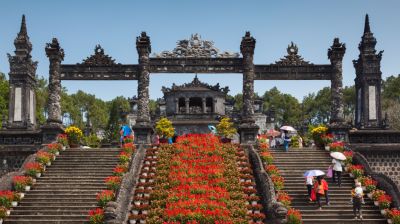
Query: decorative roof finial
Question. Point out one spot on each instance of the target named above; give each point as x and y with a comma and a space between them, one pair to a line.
23, 30
367, 29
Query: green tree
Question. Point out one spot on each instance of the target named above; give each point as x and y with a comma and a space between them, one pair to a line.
41, 100
116, 106
4, 91
349, 98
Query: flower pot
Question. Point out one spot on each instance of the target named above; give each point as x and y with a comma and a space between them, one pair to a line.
327, 148
376, 203
135, 212
144, 212
132, 221
27, 188
14, 203
383, 212
64, 147
8, 212
57, 153
22, 195
48, 164
38, 175
369, 195
389, 221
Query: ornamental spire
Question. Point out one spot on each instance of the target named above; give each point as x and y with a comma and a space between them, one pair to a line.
367, 29
23, 46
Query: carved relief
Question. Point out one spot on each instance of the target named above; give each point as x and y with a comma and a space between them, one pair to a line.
292, 58
99, 58
196, 83
195, 47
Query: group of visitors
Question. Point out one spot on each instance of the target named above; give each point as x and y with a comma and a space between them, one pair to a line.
318, 187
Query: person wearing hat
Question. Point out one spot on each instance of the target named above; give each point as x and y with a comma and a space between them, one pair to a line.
357, 199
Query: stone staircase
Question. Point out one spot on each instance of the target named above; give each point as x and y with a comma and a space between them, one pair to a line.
294, 163
67, 189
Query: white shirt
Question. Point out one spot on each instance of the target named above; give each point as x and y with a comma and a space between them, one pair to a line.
309, 180
337, 166
358, 192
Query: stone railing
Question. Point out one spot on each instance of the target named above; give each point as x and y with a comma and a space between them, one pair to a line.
117, 211
275, 210
384, 182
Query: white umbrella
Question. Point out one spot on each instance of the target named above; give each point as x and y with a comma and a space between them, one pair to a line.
314, 173
288, 128
338, 155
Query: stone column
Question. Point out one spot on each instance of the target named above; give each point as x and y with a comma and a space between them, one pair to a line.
187, 110
247, 49
335, 54
337, 124
248, 129
143, 128
204, 105
55, 54
144, 49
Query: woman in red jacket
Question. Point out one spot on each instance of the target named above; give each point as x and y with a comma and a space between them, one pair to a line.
321, 189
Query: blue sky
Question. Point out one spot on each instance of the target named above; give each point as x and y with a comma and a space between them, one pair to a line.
311, 24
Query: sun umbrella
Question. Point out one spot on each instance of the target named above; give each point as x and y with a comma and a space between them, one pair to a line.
273, 132
288, 128
338, 155
212, 129
314, 173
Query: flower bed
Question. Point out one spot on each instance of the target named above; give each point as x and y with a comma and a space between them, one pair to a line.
196, 180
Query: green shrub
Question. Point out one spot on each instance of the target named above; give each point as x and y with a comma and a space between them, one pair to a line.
92, 141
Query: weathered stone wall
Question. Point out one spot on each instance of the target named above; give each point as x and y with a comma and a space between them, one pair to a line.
387, 163
12, 157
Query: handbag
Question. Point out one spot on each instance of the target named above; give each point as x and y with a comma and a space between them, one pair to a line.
330, 172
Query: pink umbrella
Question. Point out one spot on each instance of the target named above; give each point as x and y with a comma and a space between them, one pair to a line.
273, 133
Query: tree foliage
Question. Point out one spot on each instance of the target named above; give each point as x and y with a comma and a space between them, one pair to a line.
4, 90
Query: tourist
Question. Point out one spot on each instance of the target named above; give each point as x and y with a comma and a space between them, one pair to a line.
124, 131
337, 171
300, 139
357, 199
321, 189
272, 142
286, 140
309, 184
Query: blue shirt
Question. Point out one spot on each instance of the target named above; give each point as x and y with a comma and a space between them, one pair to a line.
127, 130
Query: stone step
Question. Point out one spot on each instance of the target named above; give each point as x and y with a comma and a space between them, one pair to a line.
49, 217
54, 208
77, 195
52, 221
58, 199
55, 203
348, 207
344, 221
50, 212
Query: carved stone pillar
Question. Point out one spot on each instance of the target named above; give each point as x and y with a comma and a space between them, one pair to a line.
368, 83
144, 49
22, 81
143, 127
248, 129
247, 49
53, 124
204, 105
335, 55
337, 125
187, 109
55, 54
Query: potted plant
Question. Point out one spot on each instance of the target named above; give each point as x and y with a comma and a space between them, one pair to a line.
113, 182
226, 129
384, 202
16, 199
284, 198
278, 182
356, 171
327, 139
164, 129
293, 216
272, 170
124, 157
44, 157
376, 194
20, 182
74, 135
104, 197
337, 146
370, 184
33, 169
267, 157
119, 170
96, 216
349, 157
393, 216
128, 147
63, 140
3, 213
6, 197
317, 134
55, 148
